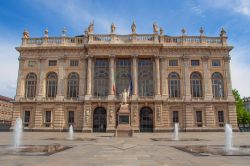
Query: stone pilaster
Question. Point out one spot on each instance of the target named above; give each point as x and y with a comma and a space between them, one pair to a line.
188, 117
166, 121
207, 79
158, 126
135, 115
38, 117
61, 79
164, 81
111, 120
82, 81
111, 77
187, 93
89, 77
87, 118
42, 79
230, 96
158, 78
59, 114
135, 76
20, 90
210, 116
232, 115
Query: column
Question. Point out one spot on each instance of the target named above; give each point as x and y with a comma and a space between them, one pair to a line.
164, 75
111, 76
186, 78
89, 76
82, 81
20, 90
111, 117
60, 87
158, 79
42, 79
135, 76
210, 116
87, 118
228, 78
135, 117
207, 80
59, 121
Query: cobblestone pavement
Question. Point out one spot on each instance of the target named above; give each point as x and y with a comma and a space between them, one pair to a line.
107, 150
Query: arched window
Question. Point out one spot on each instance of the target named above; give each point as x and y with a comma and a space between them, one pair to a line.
196, 85
30, 85
73, 85
145, 77
217, 84
101, 77
51, 84
174, 84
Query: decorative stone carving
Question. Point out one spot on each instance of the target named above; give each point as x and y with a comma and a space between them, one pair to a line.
113, 27
111, 114
87, 115
227, 58
133, 27
158, 112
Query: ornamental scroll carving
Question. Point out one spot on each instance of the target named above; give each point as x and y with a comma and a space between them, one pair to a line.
158, 114
87, 114
111, 114
134, 108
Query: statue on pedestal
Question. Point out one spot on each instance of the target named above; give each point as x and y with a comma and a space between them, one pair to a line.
155, 27
91, 27
124, 97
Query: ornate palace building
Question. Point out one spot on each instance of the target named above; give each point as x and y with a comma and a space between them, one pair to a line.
170, 79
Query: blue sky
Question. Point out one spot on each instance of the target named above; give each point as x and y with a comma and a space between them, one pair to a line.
75, 15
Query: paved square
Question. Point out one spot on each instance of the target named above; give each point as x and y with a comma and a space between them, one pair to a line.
139, 150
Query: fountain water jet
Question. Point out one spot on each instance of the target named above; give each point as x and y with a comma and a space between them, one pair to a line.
176, 131
71, 133
18, 132
228, 137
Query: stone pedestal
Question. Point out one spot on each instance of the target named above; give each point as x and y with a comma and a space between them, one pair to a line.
124, 128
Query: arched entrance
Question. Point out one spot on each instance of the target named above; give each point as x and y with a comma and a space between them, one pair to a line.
146, 120
99, 120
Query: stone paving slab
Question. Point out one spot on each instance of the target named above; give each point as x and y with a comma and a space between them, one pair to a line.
112, 151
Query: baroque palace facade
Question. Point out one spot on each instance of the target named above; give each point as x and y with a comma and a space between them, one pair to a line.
77, 81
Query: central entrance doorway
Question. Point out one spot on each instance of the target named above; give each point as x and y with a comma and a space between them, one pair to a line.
146, 120
99, 120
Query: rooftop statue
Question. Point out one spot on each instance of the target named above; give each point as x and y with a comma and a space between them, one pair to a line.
155, 27
133, 27
91, 28
113, 27
26, 34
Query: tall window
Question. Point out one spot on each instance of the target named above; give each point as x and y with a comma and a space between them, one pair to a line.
101, 85
175, 116
196, 84
51, 88
123, 75
30, 89
47, 118
145, 77
71, 118
217, 83
26, 119
73, 85
221, 118
174, 85
199, 118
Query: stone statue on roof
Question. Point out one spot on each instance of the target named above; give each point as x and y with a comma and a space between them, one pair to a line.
133, 27
91, 27
155, 28
113, 27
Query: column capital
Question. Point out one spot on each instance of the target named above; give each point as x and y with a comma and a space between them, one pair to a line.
227, 58
41, 58
62, 58
205, 58
135, 55
112, 56
21, 59
185, 57
89, 56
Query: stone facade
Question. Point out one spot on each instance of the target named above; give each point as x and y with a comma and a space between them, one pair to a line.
6, 110
154, 101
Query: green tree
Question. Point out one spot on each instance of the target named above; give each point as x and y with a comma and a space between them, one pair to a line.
243, 116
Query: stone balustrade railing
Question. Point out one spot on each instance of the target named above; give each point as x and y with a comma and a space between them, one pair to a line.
126, 39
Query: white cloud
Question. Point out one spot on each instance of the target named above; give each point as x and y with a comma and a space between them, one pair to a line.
240, 70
